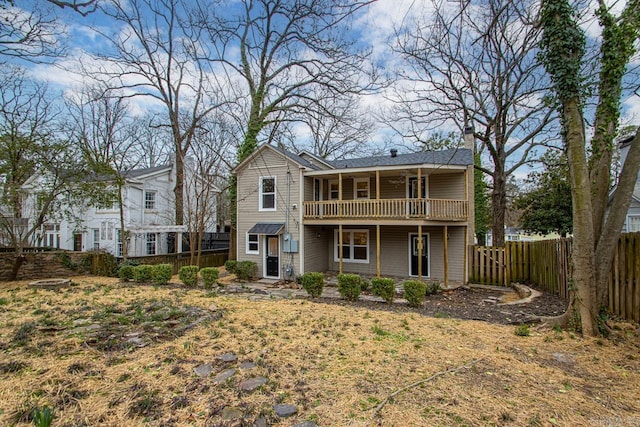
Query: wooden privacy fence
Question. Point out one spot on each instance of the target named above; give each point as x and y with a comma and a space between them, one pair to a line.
547, 264
211, 258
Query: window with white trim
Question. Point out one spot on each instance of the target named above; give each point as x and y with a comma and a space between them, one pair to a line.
334, 190
96, 238
361, 188
151, 243
355, 246
267, 193
149, 200
253, 246
633, 223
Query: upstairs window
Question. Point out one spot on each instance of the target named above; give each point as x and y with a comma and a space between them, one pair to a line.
267, 193
334, 189
149, 200
361, 188
633, 223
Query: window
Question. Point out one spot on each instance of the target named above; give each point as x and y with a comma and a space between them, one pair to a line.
267, 193
334, 190
633, 223
151, 243
355, 246
252, 244
52, 235
149, 200
361, 188
96, 239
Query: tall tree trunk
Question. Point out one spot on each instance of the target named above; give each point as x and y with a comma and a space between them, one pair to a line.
179, 188
498, 205
583, 255
17, 263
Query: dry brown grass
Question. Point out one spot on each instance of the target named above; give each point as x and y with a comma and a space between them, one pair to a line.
336, 363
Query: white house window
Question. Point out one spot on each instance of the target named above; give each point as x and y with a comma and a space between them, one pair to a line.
149, 200
633, 223
334, 189
355, 246
118, 242
96, 238
252, 244
151, 243
361, 188
52, 235
268, 193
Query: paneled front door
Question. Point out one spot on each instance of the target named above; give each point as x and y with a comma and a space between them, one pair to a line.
413, 255
272, 258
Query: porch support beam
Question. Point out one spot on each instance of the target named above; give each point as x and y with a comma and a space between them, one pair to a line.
340, 242
378, 250
445, 239
377, 213
419, 243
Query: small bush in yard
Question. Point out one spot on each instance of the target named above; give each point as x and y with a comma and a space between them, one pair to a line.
414, 292
245, 270
349, 286
125, 272
522, 330
209, 276
189, 275
432, 288
364, 285
313, 283
43, 417
230, 266
161, 274
384, 287
142, 273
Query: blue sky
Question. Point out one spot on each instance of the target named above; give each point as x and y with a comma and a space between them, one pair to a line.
374, 27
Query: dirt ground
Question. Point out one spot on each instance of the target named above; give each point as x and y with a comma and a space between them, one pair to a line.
105, 353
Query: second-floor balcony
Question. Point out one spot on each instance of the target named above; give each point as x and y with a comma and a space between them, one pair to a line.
378, 209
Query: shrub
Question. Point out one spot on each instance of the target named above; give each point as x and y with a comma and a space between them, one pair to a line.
142, 273
245, 270
384, 287
230, 266
125, 272
414, 292
209, 276
349, 286
161, 274
189, 275
364, 285
313, 283
432, 288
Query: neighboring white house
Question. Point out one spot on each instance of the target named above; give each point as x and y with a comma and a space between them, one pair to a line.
632, 222
149, 217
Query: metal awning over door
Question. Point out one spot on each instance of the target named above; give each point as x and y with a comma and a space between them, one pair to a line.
270, 228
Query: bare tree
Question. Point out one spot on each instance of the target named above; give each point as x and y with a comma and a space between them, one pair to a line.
339, 127
158, 55
29, 29
105, 135
280, 51
29, 146
595, 233
475, 64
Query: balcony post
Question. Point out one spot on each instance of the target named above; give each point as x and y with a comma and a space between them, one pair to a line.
419, 210
340, 243
377, 210
340, 207
378, 250
445, 239
419, 252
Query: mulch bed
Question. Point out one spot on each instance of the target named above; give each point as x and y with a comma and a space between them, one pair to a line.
471, 304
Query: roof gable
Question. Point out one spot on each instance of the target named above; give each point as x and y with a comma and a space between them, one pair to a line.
300, 161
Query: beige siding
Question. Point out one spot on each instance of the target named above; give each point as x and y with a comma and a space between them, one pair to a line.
446, 186
316, 249
394, 252
267, 163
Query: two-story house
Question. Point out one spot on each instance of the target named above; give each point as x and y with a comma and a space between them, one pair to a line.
401, 215
148, 213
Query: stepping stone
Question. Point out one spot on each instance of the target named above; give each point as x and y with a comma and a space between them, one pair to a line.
227, 357
203, 370
247, 365
284, 411
260, 422
213, 308
223, 376
230, 413
306, 424
253, 383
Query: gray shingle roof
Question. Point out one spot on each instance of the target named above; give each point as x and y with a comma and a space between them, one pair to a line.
454, 156
300, 160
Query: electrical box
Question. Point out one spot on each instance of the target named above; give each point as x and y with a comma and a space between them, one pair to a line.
290, 246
